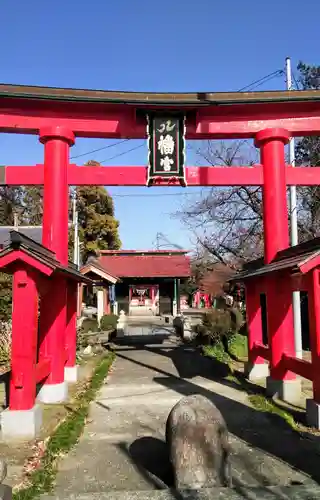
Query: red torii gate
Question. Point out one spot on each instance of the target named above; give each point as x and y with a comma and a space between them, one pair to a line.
58, 116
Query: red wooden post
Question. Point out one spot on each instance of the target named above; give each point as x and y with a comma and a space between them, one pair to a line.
70, 369
57, 141
53, 317
314, 328
280, 326
313, 405
24, 340
275, 212
256, 367
276, 238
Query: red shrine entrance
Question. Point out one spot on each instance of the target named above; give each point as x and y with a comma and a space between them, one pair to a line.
57, 117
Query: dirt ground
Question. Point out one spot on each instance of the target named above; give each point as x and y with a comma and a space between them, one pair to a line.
19, 456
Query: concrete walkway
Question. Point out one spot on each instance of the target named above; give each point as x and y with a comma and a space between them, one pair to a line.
122, 447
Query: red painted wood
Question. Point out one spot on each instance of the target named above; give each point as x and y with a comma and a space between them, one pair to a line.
120, 121
57, 141
275, 214
109, 127
71, 326
136, 175
24, 340
254, 322
311, 264
280, 326
17, 255
298, 366
53, 329
261, 350
43, 369
314, 329
303, 176
223, 128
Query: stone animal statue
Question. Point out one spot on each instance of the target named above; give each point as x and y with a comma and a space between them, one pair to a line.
199, 450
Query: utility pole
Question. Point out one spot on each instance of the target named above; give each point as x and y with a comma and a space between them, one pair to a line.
76, 249
294, 231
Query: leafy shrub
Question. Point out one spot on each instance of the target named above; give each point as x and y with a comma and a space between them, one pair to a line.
218, 326
238, 346
238, 349
5, 342
217, 352
82, 340
89, 325
108, 322
5, 297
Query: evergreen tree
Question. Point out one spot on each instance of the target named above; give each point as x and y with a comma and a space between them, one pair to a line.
33, 206
10, 204
98, 228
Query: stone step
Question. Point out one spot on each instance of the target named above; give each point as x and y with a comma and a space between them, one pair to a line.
297, 492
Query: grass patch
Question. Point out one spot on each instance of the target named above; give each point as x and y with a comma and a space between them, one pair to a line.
217, 352
238, 346
65, 436
264, 404
239, 350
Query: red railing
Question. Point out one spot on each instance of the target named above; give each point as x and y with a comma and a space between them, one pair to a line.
261, 350
298, 366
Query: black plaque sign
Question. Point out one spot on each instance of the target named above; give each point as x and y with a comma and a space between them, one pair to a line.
166, 143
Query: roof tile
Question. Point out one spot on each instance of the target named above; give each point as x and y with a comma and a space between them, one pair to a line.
152, 265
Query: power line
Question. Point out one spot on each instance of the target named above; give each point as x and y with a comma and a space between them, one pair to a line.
137, 195
121, 154
264, 79
296, 81
99, 149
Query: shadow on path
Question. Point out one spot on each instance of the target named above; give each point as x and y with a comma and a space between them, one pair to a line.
269, 433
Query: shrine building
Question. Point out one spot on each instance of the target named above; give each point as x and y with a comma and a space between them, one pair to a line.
137, 282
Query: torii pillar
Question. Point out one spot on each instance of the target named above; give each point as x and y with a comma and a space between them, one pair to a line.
54, 320
281, 382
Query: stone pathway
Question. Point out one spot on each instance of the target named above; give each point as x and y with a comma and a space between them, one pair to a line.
122, 447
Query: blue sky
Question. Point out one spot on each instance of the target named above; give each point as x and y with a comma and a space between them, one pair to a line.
171, 45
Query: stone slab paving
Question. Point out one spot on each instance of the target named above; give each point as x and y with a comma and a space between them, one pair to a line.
123, 448
252, 493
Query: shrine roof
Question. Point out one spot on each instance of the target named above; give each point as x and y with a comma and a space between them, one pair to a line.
155, 98
146, 264
32, 232
19, 241
95, 267
294, 259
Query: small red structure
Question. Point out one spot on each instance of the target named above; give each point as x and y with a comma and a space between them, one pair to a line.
200, 298
292, 269
49, 358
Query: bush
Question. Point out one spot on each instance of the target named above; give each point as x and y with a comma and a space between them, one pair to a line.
218, 326
82, 340
108, 322
5, 343
89, 325
5, 297
238, 346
